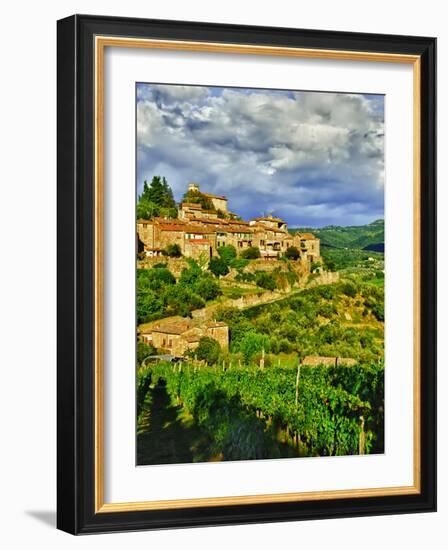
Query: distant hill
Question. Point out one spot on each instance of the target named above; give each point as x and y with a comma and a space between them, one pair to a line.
362, 237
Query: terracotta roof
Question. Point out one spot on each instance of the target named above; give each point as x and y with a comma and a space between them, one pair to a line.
171, 227
178, 327
269, 219
238, 230
198, 241
198, 230
241, 222
145, 221
210, 196
307, 236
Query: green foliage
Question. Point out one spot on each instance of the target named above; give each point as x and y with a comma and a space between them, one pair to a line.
218, 267
253, 343
296, 322
172, 250
158, 294
143, 351
239, 264
227, 253
349, 289
196, 197
348, 236
265, 280
331, 401
206, 287
156, 200
154, 279
190, 274
251, 253
292, 253
144, 396
330, 265
337, 259
208, 350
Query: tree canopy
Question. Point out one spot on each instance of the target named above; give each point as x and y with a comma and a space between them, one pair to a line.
156, 200
196, 197
218, 267
292, 253
208, 350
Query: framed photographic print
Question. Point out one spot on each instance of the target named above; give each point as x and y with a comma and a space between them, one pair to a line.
247, 274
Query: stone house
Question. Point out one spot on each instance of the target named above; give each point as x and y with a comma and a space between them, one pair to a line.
178, 336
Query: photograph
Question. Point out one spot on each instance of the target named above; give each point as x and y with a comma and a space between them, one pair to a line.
260, 268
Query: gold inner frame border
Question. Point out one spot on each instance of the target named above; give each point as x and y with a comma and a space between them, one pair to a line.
101, 42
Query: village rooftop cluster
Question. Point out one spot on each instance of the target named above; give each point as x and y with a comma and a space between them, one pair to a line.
200, 232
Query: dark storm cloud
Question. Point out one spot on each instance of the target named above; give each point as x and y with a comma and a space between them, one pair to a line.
312, 158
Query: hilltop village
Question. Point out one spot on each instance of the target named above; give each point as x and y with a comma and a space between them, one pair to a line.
198, 231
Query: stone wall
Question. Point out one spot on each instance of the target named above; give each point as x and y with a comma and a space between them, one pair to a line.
324, 278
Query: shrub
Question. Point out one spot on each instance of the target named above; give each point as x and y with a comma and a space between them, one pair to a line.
154, 279
349, 290
252, 343
292, 253
265, 280
251, 253
239, 264
172, 250
218, 267
143, 350
207, 287
208, 350
234, 293
227, 253
330, 265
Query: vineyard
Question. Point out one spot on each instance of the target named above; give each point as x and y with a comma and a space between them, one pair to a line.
245, 412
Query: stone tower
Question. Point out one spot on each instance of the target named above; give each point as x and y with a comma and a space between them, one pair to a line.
193, 187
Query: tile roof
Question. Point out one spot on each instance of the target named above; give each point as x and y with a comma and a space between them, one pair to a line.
210, 196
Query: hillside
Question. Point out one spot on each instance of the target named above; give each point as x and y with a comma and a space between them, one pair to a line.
363, 237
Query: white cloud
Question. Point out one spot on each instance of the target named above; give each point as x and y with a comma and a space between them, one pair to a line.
321, 149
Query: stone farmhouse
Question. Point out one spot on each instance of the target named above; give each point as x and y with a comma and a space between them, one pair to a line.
200, 232
178, 335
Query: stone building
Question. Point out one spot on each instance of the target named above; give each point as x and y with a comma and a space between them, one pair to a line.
178, 336
200, 232
315, 360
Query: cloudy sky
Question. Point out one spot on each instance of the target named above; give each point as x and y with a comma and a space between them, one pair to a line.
311, 158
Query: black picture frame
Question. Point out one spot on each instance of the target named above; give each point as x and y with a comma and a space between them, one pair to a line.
76, 273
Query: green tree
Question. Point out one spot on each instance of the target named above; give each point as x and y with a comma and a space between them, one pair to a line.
146, 209
156, 200
196, 197
292, 253
253, 343
189, 275
143, 350
172, 250
265, 280
251, 253
208, 350
227, 253
218, 267
207, 287
167, 194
